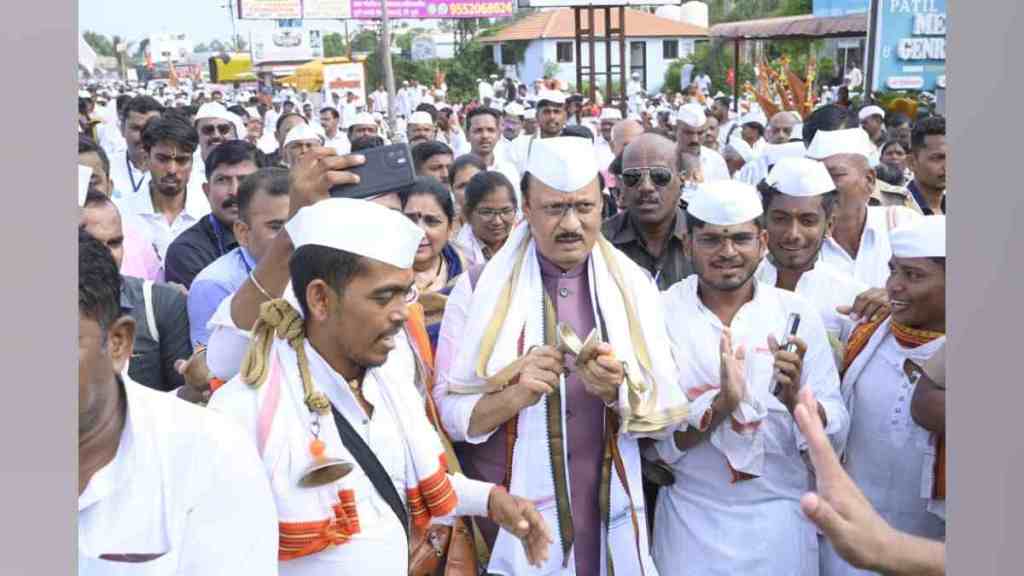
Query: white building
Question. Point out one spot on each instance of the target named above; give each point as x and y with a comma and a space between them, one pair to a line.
652, 44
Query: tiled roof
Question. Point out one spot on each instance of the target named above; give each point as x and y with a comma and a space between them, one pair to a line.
561, 24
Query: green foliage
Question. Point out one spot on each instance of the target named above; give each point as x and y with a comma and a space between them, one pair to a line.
514, 52
460, 73
551, 69
334, 45
99, 43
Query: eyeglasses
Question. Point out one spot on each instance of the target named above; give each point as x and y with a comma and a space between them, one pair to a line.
560, 210
491, 213
210, 129
660, 176
716, 242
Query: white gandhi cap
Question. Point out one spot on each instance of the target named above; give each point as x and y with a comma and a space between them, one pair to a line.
800, 177
922, 237
725, 203
829, 143
301, 133
565, 163
354, 226
692, 115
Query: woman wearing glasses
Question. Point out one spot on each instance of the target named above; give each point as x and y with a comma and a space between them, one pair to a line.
437, 263
490, 212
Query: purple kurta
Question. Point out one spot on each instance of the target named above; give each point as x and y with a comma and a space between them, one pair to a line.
584, 427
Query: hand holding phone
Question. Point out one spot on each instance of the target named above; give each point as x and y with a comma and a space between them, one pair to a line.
792, 326
387, 169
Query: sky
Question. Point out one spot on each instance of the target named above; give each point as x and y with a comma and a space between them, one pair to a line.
202, 20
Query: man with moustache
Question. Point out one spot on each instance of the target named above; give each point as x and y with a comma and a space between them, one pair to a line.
739, 460
651, 229
129, 170
690, 123
482, 128
420, 128
334, 138
887, 451
522, 411
213, 236
152, 469
798, 199
215, 125
858, 242
170, 144
928, 162
322, 381
262, 211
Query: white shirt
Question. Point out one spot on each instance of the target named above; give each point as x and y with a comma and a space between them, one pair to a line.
123, 174
713, 165
871, 266
161, 494
605, 157
197, 203
155, 223
754, 171
886, 448
340, 143
510, 172
723, 132
485, 90
380, 101
826, 288
754, 526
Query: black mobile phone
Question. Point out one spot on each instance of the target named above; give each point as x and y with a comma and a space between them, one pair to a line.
792, 325
387, 169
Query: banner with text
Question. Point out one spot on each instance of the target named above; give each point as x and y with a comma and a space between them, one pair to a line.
909, 45
370, 9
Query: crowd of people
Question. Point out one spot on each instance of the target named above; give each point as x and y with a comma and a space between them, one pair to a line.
663, 335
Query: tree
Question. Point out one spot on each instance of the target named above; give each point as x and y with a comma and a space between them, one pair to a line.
365, 41
201, 47
334, 45
99, 43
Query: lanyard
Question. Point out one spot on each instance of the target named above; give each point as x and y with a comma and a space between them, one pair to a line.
131, 174
245, 261
219, 233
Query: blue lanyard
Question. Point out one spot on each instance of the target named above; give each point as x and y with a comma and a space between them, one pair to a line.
219, 233
131, 175
245, 261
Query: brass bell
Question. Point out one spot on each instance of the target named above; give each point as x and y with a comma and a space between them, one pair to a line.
323, 471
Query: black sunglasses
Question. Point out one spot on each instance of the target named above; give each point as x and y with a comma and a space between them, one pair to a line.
209, 129
660, 176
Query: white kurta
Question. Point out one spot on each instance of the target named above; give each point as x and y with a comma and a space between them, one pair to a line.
886, 450
826, 288
871, 266
380, 546
162, 495
605, 156
705, 524
713, 165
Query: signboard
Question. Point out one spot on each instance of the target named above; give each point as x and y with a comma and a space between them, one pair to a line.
840, 7
370, 9
285, 45
293, 9
585, 3
908, 50
423, 48
167, 47
269, 9
342, 78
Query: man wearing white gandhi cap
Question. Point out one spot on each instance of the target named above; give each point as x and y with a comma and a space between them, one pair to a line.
799, 197
691, 122
300, 140
738, 460
858, 243
888, 454
551, 363
344, 439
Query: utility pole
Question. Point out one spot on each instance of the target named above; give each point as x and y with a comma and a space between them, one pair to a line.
389, 73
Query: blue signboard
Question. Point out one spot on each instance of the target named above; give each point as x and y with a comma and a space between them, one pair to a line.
840, 7
909, 45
